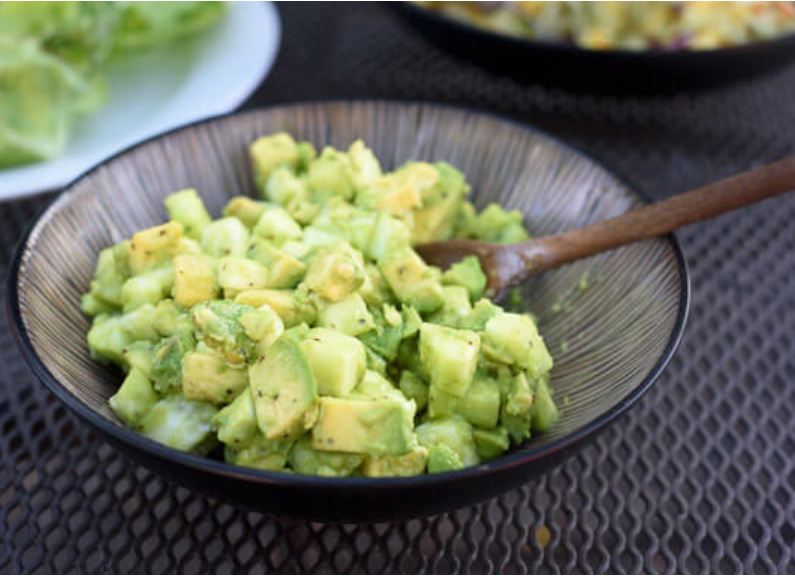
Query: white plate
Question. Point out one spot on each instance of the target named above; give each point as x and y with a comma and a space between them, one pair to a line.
158, 89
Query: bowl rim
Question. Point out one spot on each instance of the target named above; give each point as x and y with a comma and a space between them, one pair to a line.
131, 440
409, 8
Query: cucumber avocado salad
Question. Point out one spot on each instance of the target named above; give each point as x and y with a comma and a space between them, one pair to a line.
303, 333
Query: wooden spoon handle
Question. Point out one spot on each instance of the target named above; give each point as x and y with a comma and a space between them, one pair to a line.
662, 217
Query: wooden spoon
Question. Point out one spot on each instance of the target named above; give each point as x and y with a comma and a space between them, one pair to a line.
507, 265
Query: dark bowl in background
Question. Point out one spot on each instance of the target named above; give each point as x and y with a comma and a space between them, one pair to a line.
621, 331
597, 71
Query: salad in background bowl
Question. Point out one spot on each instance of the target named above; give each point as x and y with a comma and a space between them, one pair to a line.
86, 79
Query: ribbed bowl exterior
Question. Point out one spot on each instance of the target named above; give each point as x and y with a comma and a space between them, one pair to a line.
611, 321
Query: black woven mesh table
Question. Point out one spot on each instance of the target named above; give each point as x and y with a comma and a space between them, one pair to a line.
699, 477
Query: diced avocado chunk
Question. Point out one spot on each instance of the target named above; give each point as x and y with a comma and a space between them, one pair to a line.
172, 320
330, 175
262, 325
236, 275
286, 188
365, 167
138, 355
411, 464
349, 316
437, 218
195, 279
450, 357
375, 386
269, 152
516, 414
411, 280
91, 305
494, 224
167, 364
455, 309
208, 377
245, 209
514, 339
154, 246
414, 388
284, 390
454, 433
180, 423
111, 334
375, 291
277, 226
284, 269
225, 237
481, 313
112, 270
544, 412
291, 306
305, 459
147, 288
469, 274
363, 426
337, 360
388, 234
384, 338
237, 422
218, 326
480, 405
188, 209
375, 361
442, 458
335, 272
491, 443
262, 453
134, 398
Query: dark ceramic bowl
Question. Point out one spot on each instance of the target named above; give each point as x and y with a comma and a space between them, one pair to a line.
610, 341
608, 71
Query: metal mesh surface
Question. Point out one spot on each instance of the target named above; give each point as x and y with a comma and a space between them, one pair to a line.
699, 477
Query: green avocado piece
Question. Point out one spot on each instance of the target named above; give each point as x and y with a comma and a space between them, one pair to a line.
218, 326
337, 361
544, 412
349, 316
284, 270
245, 209
139, 355
455, 433
411, 279
188, 209
180, 423
262, 453
436, 219
237, 422
284, 390
304, 459
335, 271
514, 339
450, 357
270, 152
414, 388
455, 309
480, 405
134, 398
442, 458
166, 368
411, 464
382, 427
225, 237
469, 274
491, 443
208, 377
